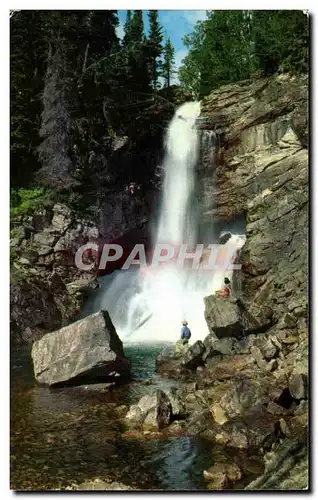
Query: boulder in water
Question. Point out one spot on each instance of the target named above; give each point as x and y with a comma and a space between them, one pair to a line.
87, 351
222, 316
169, 364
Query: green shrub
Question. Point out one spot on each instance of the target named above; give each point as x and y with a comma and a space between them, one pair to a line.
27, 201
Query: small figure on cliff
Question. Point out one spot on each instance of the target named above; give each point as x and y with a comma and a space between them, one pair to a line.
132, 187
226, 290
185, 333
181, 346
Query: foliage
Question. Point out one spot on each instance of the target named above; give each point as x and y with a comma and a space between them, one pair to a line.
26, 201
232, 45
168, 63
154, 46
74, 87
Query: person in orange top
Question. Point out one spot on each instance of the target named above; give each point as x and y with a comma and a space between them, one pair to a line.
226, 290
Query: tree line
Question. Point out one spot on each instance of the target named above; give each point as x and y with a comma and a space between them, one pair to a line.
232, 45
74, 85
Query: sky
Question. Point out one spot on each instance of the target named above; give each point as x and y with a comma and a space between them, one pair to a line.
175, 23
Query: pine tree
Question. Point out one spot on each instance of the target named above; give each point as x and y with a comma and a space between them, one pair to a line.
168, 63
127, 29
154, 46
137, 27
54, 151
27, 69
138, 77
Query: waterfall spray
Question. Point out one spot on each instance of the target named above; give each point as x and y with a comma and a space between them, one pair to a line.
150, 305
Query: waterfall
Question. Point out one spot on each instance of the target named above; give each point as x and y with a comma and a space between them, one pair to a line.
149, 305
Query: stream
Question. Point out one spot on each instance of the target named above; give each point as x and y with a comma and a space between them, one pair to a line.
66, 436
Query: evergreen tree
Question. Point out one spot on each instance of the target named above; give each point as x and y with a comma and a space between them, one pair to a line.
168, 63
127, 29
154, 47
230, 45
28, 52
138, 77
54, 151
137, 27
281, 38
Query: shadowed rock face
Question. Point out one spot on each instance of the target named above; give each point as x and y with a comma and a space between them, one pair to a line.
88, 350
222, 316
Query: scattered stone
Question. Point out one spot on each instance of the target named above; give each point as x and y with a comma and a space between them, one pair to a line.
298, 385
98, 484
222, 475
134, 416
219, 414
200, 421
62, 217
269, 350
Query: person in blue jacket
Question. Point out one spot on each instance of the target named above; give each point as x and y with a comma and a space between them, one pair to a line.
185, 333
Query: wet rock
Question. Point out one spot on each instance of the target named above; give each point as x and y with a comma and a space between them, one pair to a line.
298, 385
222, 317
88, 350
169, 364
157, 411
177, 405
222, 475
134, 417
29, 257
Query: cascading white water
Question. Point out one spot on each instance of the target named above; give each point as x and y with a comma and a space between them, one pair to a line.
149, 306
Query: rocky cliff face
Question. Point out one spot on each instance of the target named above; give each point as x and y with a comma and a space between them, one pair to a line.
47, 289
261, 172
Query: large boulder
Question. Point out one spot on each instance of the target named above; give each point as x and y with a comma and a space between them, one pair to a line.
193, 357
88, 350
222, 316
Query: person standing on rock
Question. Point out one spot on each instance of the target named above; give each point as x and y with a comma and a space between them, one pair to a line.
181, 346
185, 333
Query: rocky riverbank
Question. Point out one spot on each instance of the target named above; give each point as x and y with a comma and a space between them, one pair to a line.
244, 393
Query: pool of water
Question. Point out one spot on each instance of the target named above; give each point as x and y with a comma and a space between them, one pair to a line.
66, 436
